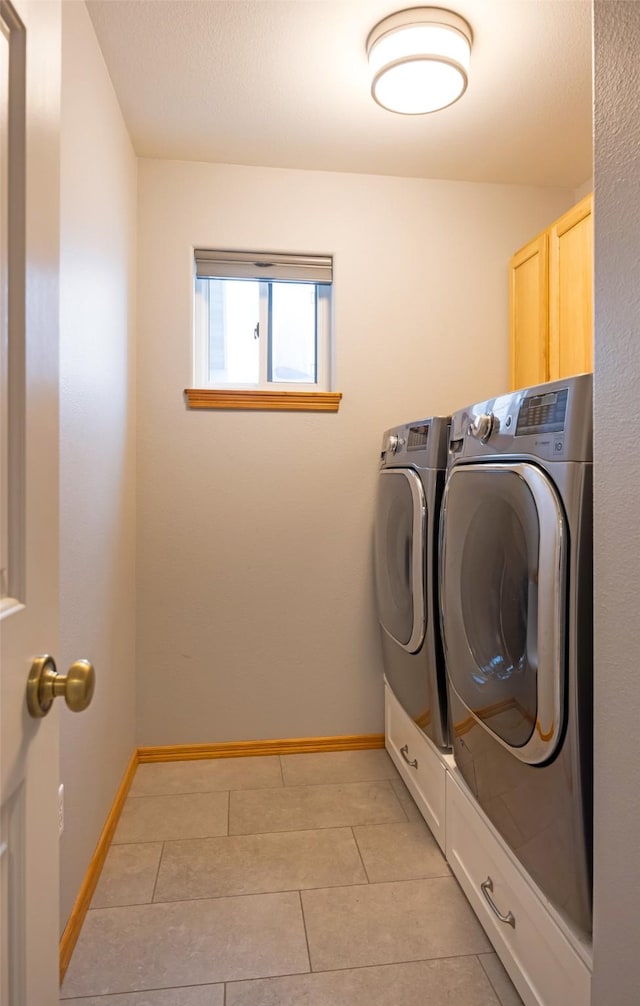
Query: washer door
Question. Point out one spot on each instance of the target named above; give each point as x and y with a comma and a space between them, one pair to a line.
399, 556
504, 544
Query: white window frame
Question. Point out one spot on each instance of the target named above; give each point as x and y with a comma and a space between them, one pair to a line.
324, 322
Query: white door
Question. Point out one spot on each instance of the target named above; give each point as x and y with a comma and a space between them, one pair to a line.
29, 225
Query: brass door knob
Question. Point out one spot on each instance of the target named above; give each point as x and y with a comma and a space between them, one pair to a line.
45, 684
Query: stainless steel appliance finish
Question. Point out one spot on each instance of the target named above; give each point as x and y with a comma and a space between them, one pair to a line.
410, 485
516, 600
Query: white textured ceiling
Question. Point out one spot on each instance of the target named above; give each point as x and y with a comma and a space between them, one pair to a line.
284, 83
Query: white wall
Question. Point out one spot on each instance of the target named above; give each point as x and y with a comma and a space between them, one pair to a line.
97, 427
255, 600
616, 976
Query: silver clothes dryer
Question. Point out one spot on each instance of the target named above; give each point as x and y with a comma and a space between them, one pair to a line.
410, 485
516, 597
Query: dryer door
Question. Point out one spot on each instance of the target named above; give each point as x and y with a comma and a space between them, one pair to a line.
399, 556
504, 545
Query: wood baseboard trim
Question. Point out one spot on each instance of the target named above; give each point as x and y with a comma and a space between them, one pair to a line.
240, 749
74, 925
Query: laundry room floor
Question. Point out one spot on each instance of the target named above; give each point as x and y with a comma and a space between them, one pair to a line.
279, 881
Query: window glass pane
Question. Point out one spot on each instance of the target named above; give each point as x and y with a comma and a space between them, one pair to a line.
234, 347
260, 332
293, 332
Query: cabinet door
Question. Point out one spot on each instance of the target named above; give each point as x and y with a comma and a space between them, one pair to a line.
529, 313
571, 292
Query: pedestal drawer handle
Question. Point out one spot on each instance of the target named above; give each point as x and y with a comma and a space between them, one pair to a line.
487, 886
405, 754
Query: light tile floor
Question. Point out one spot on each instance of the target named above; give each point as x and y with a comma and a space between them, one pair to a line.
302, 880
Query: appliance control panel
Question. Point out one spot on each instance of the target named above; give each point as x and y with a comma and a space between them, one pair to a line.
420, 444
543, 413
418, 437
552, 421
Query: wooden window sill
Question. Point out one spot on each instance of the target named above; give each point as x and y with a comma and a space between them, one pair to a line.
290, 401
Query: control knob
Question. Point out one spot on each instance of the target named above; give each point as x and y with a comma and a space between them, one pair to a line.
393, 443
481, 427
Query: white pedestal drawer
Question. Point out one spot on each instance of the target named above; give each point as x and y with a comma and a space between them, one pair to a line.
419, 763
547, 968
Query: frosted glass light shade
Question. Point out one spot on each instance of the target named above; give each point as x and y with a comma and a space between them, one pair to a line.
419, 60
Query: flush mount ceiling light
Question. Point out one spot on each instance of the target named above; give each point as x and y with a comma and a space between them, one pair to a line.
419, 60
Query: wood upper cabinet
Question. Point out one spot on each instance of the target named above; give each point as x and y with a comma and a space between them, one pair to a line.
571, 292
529, 307
551, 301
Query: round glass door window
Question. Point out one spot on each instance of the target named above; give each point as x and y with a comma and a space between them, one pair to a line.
494, 545
398, 554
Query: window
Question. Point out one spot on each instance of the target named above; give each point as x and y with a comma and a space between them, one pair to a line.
262, 321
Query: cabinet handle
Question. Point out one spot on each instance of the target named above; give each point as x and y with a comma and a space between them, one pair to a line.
487, 886
405, 754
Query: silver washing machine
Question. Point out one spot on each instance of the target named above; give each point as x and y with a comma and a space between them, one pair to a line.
516, 599
410, 485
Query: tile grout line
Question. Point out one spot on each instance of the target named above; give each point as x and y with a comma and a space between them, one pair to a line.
345, 826
253, 894
313, 785
287, 831
306, 935
493, 989
400, 802
488, 977
146, 841
260, 789
366, 872
200, 792
349, 967
292, 974
387, 964
155, 884
268, 894
261, 834
182, 792
159, 988
281, 831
